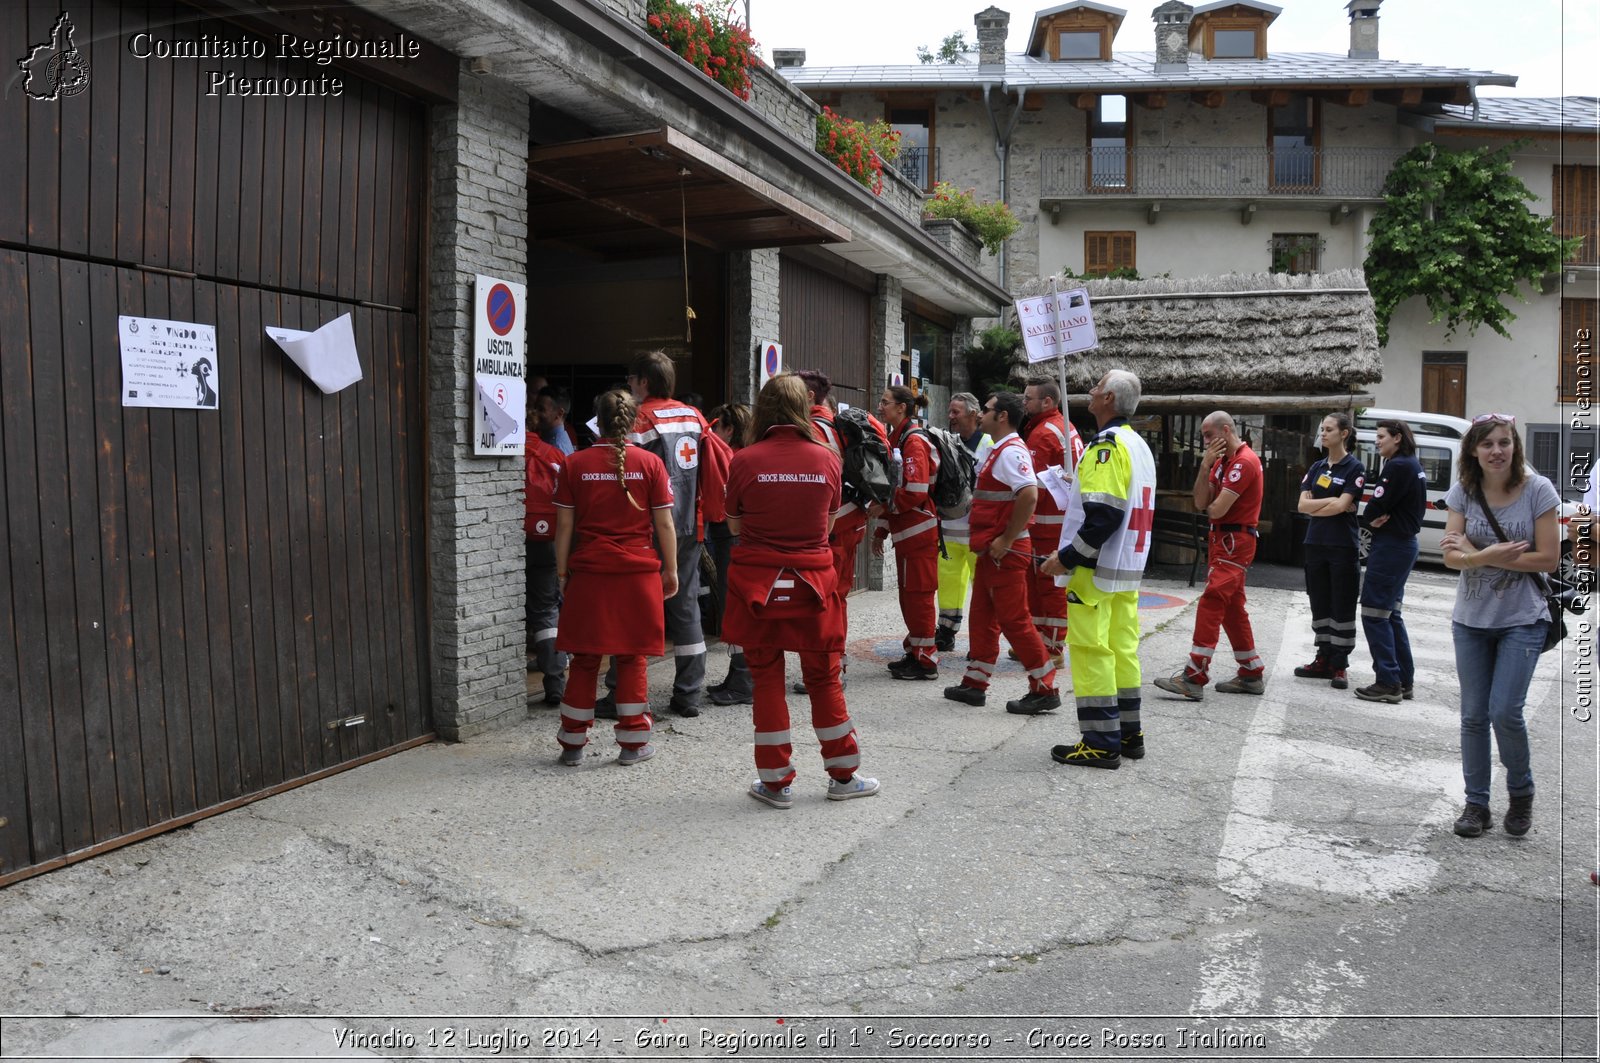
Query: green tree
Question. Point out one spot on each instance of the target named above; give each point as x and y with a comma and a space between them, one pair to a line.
950, 50
1455, 229
989, 363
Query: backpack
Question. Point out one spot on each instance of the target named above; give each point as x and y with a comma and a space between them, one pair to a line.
869, 472
958, 473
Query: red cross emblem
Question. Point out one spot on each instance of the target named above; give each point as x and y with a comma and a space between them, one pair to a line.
687, 452
1142, 520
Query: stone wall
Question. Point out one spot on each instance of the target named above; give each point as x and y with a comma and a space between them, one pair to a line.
783, 105
753, 306
478, 224
888, 340
956, 238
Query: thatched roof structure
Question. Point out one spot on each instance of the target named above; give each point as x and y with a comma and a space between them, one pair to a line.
1260, 340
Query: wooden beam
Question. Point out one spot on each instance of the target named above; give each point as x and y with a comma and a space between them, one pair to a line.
1086, 101
1270, 97
1151, 100
1354, 97
1213, 98
1406, 97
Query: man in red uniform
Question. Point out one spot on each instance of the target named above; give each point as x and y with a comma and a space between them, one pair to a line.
544, 598
1002, 504
1052, 443
913, 525
1228, 490
697, 466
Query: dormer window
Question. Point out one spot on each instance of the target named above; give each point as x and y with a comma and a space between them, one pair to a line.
1231, 30
1076, 32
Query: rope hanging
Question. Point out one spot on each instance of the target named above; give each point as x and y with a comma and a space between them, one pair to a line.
683, 229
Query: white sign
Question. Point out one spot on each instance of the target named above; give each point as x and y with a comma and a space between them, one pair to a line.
771, 360
916, 364
1057, 324
171, 364
327, 356
499, 366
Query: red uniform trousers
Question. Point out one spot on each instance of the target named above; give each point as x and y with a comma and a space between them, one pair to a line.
844, 543
918, 575
633, 727
1222, 609
829, 717
999, 603
1047, 603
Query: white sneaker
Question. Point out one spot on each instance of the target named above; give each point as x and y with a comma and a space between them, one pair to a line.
856, 786
637, 756
776, 798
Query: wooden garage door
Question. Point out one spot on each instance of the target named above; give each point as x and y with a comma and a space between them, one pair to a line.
827, 324
196, 605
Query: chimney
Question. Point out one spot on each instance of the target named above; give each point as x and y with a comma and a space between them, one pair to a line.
782, 57
992, 26
1172, 36
1363, 28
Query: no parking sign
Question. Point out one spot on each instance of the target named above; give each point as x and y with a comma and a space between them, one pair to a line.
499, 366
771, 360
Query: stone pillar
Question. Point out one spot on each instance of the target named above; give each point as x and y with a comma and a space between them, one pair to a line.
992, 25
753, 307
478, 224
961, 339
888, 343
1172, 36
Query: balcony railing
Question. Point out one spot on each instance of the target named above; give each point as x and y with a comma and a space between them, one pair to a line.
1352, 173
919, 165
1570, 225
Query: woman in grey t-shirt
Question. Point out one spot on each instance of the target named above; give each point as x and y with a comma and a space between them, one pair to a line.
1500, 616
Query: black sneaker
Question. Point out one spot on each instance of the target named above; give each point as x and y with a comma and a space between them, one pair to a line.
1340, 680
799, 687
1133, 746
684, 708
909, 658
1083, 755
1385, 692
605, 708
1034, 704
1317, 669
1519, 817
911, 668
1473, 821
726, 695
554, 692
944, 640
966, 695
1407, 691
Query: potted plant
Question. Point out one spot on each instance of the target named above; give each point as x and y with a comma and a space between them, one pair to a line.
993, 222
858, 148
721, 48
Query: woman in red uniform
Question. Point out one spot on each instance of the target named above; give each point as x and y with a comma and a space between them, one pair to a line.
782, 492
611, 497
913, 527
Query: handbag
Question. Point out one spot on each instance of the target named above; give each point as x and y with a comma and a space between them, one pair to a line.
1557, 630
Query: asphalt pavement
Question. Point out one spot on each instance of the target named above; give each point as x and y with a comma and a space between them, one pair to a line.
1276, 879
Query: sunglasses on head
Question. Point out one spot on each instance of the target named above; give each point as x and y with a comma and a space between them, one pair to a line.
1490, 418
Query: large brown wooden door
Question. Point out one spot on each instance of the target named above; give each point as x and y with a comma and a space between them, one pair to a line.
1444, 386
195, 604
826, 323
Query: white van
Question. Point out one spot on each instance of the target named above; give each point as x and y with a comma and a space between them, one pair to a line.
1438, 437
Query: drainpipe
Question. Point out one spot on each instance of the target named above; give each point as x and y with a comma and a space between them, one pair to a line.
1002, 151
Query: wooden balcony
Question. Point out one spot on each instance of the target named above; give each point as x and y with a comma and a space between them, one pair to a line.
1315, 175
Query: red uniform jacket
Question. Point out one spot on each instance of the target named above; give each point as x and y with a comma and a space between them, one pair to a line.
1051, 441
994, 501
544, 469
913, 518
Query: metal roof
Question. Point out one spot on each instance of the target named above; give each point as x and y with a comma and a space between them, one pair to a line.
1204, 9
1533, 112
1135, 71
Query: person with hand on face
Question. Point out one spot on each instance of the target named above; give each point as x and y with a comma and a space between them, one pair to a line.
1502, 536
1329, 494
957, 563
1002, 508
1394, 517
611, 497
783, 490
1104, 554
913, 525
1227, 489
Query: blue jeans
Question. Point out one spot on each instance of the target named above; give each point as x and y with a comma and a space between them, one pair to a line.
1495, 668
1388, 565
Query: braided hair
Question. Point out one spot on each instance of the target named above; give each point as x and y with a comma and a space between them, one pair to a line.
617, 411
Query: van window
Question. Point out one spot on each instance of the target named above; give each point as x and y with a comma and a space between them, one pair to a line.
1367, 453
1438, 466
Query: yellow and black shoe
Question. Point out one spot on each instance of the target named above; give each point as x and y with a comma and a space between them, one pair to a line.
1083, 755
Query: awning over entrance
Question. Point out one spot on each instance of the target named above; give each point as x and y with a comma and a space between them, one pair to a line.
640, 193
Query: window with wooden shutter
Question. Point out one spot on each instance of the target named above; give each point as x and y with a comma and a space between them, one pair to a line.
1577, 191
1578, 325
1104, 252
